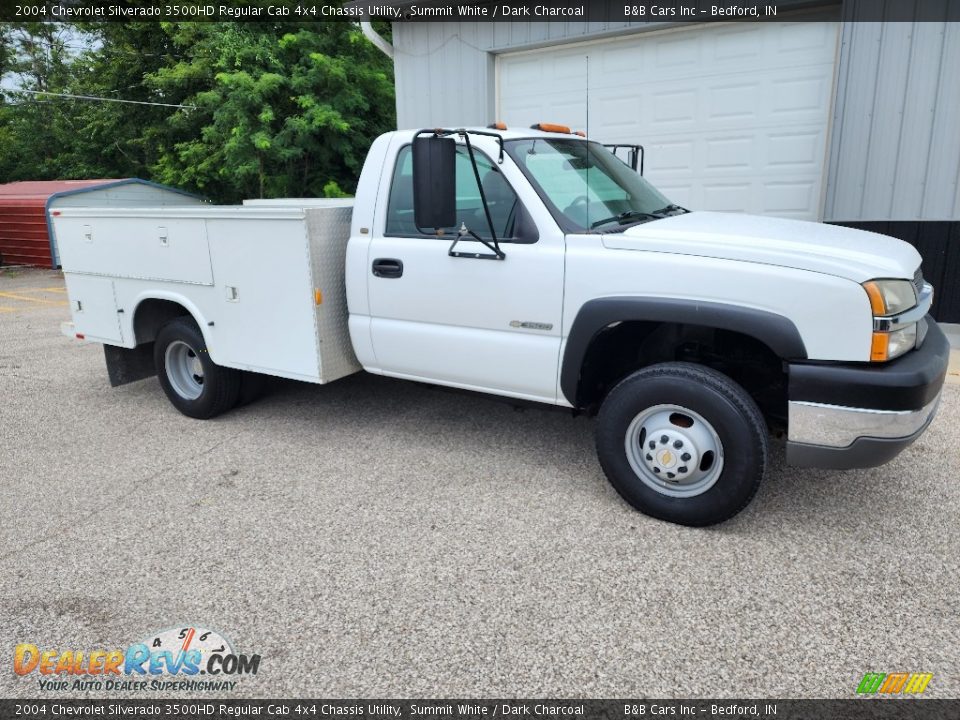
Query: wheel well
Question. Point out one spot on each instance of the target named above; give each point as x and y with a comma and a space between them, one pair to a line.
153, 314
622, 348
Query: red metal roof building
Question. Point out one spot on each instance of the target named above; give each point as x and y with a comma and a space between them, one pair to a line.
25, 234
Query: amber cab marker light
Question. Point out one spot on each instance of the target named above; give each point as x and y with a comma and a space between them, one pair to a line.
551, 127
877, 304
497, 126
879, 347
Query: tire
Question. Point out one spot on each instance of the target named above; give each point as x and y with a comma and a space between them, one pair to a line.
195, 385
687, 412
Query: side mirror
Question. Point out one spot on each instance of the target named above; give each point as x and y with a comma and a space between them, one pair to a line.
434, 182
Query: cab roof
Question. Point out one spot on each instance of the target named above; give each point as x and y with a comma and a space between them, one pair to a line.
508, 134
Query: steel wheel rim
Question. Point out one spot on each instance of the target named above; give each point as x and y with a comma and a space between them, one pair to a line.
686, 455
184, 370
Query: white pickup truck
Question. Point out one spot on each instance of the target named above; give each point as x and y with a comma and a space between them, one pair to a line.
534, 265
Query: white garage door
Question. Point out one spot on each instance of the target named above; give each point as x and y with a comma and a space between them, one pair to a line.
733, 117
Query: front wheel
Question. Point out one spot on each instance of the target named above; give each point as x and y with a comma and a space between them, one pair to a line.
683, 443
195, 385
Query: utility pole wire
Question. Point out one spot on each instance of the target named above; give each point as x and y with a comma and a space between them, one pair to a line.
102, 99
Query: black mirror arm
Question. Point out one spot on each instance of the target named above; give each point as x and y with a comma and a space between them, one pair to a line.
465, 134
483, 199
442, 132
498, 254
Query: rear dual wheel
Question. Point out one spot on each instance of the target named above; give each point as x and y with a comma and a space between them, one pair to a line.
683, 443
197, 387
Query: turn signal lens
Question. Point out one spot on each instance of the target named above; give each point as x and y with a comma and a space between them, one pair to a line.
879, 347
876, 298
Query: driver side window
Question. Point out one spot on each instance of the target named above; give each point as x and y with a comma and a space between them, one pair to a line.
505, 208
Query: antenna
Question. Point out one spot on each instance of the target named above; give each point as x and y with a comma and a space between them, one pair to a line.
587, 147
587, 58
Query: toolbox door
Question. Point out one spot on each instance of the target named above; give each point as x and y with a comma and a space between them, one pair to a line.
93, 305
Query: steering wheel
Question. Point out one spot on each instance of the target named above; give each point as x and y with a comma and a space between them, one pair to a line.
579, 200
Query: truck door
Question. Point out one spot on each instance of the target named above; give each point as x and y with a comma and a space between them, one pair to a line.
489, 325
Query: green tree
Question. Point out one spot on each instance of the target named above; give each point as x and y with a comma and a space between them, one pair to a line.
115, 139
4, 49
280, 109
231, 110
34, 126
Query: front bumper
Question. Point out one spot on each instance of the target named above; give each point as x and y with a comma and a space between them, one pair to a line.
843, 415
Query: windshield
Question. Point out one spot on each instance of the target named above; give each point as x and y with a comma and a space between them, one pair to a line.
586, 187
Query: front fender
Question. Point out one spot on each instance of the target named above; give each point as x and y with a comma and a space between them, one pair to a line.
775, 331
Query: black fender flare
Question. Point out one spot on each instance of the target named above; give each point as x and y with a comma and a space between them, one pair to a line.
775, 331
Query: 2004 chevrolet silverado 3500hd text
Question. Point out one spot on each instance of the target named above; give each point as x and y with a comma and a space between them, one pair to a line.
533, 265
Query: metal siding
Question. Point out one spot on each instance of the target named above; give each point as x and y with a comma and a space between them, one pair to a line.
23, 232
944, 165
923, 76
887, 121
446, 72
895, 151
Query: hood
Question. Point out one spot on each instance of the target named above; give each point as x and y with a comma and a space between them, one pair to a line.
853, 254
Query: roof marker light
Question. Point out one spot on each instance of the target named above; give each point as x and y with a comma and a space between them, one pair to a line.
551, 127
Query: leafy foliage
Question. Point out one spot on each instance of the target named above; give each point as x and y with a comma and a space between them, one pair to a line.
271, 109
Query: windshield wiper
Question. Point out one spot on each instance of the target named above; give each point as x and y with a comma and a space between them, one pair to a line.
669, 208
625, 217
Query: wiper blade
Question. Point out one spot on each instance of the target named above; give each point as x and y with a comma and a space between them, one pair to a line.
625, 217
670, 208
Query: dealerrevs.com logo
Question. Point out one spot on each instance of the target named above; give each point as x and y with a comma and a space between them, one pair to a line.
184, 658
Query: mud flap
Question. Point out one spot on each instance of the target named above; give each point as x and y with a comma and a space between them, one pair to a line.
127, 366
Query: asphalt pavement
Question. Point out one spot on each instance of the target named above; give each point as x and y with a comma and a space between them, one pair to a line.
376, 538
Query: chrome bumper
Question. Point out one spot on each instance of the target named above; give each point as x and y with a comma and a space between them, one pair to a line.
836, 426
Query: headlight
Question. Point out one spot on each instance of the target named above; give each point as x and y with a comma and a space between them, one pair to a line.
889, 297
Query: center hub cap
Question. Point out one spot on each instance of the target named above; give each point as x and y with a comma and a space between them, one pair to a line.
667, 459
674, 450
670, 453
